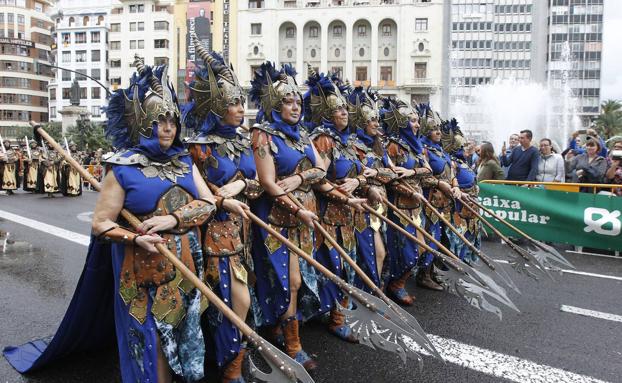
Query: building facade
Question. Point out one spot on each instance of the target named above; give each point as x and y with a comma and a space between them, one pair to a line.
145, 28
395, 46
25, 45
81, 44
575, 52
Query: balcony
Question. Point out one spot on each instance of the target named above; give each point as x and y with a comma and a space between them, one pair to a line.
419, 83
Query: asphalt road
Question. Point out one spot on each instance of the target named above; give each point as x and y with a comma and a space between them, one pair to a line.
38, 274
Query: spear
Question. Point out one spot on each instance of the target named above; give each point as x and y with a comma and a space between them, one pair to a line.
487, 261
284, 369
2, 145
460, 279
519, 266
28, 148
368, 318
395, 313
543, 255
445, 250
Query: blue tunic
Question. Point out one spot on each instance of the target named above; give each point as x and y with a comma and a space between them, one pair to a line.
469, 227
270, 258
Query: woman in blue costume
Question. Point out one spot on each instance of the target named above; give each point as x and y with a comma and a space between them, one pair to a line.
326, 110
466, 222
444, 184
404, 148
223, 155
369, 232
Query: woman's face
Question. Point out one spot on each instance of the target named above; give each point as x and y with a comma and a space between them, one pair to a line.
413, 118
291, 108
592, 150
166, 131
435, 135
340, 118
372, 127
545, 147
234, 115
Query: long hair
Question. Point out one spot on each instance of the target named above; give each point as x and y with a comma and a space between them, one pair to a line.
487, 152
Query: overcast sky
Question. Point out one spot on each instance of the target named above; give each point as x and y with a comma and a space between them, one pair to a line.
612, 51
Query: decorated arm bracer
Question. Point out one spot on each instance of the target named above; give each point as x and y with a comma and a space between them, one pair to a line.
253, 189
118, 234
311, 176
335, 195
286, 203
385, 175
194, 213
402, 189
429, 182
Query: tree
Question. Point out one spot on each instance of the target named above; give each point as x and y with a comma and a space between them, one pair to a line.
609, 122
88, 135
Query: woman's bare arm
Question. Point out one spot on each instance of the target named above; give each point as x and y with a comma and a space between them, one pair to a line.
109, 205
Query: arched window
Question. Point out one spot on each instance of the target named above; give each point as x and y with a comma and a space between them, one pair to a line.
72, 21
100, 20
85, 20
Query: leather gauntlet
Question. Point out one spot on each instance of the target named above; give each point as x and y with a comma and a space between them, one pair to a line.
362, 180
118, 234
403, 190
193, 214
311, 176
385, 175
429, 182
335, 195
253, 189
284, 202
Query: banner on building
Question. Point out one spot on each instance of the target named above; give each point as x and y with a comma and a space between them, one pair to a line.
580, 219
198, 21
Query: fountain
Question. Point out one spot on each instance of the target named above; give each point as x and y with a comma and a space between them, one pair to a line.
505, 106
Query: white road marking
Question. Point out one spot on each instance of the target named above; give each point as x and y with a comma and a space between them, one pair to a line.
46, 228
568, 271
499, 365
591, 313
87, 216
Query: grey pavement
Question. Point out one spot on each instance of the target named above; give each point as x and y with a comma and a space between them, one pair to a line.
39, 271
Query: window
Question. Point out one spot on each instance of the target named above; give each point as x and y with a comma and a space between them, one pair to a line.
10, 18
386, 52
386, 73
337, 52
83, 95
100, 20
362, 52
255, 50
361, 73
422, 24
80, 76
133, 8
20, 19
95, 93
289, 53
52, 112
66, 93
421, 70
253, 4
81, 56
290, 32
313, 53
38, 7
160, 60
115, 63
85, 20
141, 26
337, 30
386, 30
362, 30
66, 57
52, 94
95, 37
132, 27
96, 74
160, 43
115, 45
160, 25
66, 75
141, 44
140, 8
132, 44
314, 32
256, 29
2, 17
95, 111
115, 81
80, 37
116, 27
95, 56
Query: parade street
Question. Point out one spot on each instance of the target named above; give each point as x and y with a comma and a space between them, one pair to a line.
569, 330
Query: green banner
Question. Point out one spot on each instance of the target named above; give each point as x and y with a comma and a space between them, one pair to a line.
581, 219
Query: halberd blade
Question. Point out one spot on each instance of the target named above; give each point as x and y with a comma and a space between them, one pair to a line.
548, 255
283, 369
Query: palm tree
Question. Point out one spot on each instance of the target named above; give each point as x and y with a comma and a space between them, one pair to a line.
609, 122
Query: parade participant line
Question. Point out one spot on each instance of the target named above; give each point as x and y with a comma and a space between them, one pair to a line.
567, 271
72, 236
501, 365
591, 313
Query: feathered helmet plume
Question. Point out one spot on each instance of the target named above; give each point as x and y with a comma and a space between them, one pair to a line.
270, 86
452, 138
215, 85
395, 115
323, 97
134, 112
362, 106
430, 120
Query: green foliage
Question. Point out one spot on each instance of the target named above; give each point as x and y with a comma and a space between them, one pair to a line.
609, 122
88, 135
